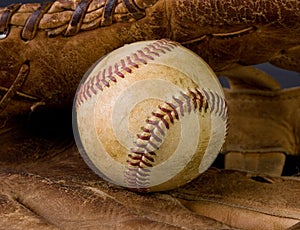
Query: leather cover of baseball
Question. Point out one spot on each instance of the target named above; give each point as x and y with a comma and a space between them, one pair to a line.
150, 116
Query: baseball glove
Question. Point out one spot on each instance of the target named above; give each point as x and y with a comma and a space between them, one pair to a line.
47, 47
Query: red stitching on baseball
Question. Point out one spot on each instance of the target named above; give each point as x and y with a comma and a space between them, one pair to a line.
98, 83
157, 48
137, 175
125, 67
144, 137
92, 85
142, 155
194, 100
141, 52
173, 109
202, 99
156, 123
188, 101
180, 104
105, 80
140, 57
79, 95
85, 91
151, 52
218, 103
143, 147
168, 112
110, 74
118, 72
130, 63
146, 130
162, 118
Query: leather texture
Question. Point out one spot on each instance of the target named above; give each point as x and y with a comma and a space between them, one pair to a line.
48, 186
45, 51
264, 121
46, 48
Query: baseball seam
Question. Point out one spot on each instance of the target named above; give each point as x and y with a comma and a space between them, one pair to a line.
218, 104
126, 65
141, 158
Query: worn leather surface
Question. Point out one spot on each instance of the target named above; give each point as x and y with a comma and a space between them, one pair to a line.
264, 121
48, 186
45, 50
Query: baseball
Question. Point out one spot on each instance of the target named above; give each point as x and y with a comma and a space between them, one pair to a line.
150, 116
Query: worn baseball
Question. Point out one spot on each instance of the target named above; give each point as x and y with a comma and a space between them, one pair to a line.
150, 116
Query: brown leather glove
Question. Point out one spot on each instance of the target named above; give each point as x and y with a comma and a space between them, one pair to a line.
264, 122
44, 184
45, 50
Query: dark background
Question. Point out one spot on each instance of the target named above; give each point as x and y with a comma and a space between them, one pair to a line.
285, 78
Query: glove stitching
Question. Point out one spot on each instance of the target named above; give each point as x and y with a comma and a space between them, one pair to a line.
77, 21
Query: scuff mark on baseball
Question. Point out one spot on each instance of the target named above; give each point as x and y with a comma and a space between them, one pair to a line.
150, 116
